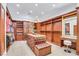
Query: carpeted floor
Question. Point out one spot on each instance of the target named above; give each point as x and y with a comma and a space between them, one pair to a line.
20, 48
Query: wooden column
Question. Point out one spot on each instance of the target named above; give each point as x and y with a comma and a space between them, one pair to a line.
77, 45
2, 31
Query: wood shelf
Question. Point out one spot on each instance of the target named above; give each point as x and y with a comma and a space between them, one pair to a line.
46, 31
51, 29
19, 30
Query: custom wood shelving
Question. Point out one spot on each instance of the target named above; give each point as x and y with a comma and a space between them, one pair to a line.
21, 29
77, 41
18, 30
47, 29
52, 28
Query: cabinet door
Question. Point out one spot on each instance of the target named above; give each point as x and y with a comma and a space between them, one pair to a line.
75, 30
49, 27
49, 36
77, 47
19, 36
43, 28
57, 26
56, 38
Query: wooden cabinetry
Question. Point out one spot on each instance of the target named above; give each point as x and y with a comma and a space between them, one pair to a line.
38, 27
49, 27
26, 27
21, 29
52, 30
75, 30
42, 49
2, 30
49, 36
57, 32
57, 38
32, 41
43, 27
18, 30
77, 47
46, 29
77, 41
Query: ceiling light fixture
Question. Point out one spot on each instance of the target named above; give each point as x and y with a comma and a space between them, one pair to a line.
53, 5
42, 13
36, 5
17, 12
18, 5
31, 11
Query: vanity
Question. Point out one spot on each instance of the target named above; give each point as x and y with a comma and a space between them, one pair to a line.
72, 39
70, 32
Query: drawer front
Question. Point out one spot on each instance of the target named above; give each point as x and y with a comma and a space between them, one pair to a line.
45, 51
19, 37
42, 52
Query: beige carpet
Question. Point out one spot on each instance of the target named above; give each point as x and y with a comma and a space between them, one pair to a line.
20, 48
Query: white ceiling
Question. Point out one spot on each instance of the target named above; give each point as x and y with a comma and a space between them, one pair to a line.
43, 11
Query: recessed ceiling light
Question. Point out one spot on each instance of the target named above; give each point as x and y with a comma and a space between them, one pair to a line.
42, 12
18, 5
36, 5
17, 12
53, 5
31, 11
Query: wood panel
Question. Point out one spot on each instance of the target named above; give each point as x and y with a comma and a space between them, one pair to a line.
46, 29
18, 30
49, 36
49, 27
21, 29
2, 31
77, 41
38, 27
77, 47
57, 38
52, 28
57, 28
19, 36
43, 32
26, 27
75, 30
43, 28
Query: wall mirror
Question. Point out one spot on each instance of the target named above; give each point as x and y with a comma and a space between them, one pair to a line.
67, 29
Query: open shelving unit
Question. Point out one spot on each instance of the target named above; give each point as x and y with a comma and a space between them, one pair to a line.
51, 29
18, 29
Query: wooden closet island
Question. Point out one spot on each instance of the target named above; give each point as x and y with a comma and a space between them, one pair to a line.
34, 40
